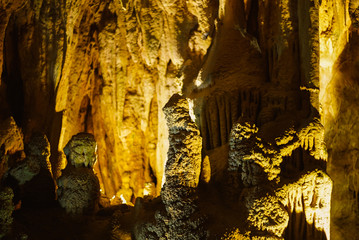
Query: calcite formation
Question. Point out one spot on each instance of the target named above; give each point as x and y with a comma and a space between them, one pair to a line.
183, 165
255, 160
275, 201
308, 198
78, 187
181, 218
266, 107
37, 158
81, 150
33, 174
11, 136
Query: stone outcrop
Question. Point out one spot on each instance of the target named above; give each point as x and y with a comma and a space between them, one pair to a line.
78, 187
256, 160
307, 201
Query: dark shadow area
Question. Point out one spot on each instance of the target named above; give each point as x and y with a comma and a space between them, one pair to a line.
12, 74
299, 162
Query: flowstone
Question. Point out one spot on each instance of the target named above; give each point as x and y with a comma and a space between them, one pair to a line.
11, 142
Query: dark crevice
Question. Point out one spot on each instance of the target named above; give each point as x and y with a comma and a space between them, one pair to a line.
252, 21
12, 74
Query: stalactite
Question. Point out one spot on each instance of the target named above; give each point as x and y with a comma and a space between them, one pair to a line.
271, 85
220, 111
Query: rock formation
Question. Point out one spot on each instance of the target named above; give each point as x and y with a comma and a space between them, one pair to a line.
11, 136
78, 187
181, 218
33, 177
294, 206
271, 86
6, 210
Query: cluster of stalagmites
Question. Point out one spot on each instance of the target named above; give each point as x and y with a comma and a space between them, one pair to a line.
276, 207
27, 180
299, 205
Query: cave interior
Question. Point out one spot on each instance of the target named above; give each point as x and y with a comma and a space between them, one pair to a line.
179, 119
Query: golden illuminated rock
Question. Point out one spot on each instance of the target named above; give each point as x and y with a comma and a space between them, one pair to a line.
268, 104
182, 218
11, 136
183, 165
267, 214
257, 161
309, 197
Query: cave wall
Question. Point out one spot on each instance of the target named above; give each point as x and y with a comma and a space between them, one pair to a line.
109, 67
104, 67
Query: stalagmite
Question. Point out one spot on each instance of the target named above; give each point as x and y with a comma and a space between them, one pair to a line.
181, 218
33, 174
78, 187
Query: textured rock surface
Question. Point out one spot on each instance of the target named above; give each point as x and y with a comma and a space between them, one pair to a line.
341, 134
181, 218
78, 187
183, 165
339, 94
33, 174
275, 207
78, 190
6, 210
267, 214
37, 158
104, 68
11, 136
255, 160
289, 68
308, 201
81, 150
